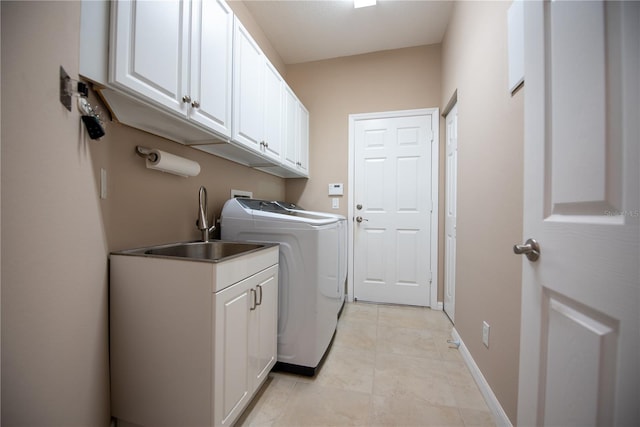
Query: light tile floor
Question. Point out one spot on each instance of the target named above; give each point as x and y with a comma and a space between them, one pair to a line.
389, 365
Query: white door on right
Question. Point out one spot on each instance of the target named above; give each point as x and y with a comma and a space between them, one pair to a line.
393, 196
450, 212
580, 339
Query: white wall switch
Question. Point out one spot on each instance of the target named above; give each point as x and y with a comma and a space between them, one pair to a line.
335, 203
485, 334
336, 189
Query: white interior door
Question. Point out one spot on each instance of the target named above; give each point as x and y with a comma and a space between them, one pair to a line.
393, 251
579, 354
451, 186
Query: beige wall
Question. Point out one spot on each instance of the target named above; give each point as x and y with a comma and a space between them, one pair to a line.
490, 195
54, 270
57, 232
332, 89
146, 207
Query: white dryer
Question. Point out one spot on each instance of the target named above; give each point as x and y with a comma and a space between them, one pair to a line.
310, 269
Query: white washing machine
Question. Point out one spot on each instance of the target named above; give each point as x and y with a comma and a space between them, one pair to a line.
342, 248
309, 276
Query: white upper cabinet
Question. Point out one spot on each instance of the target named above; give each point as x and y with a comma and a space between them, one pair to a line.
211, 55
273, 85
290, 125
176, 54
257, 95
189, 71
150, 50
248, 101
303, 140
295, 127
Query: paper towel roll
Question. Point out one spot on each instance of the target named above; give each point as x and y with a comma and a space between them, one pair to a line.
170, 163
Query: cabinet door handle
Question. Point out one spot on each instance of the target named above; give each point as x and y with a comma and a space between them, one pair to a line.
186, 99
253, 296
260, 298
195, 104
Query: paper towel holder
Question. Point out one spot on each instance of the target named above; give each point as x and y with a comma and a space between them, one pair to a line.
146, 153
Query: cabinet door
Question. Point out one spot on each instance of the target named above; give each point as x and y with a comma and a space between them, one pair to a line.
232, 381
248, 102
149, 50
290, 124
264, 326
303, 139
272, 112
211, 52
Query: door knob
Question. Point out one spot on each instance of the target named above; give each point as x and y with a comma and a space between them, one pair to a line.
359, 206
360, 219
531, 249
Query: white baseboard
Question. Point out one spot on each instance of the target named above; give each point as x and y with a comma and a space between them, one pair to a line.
499, 416
438, 306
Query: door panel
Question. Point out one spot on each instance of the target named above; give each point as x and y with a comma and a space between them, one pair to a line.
589, 361
150, 51
580, 347
392, 251
248, 83
211, 56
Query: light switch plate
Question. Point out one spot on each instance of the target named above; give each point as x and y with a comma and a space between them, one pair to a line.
335, 203
485, 334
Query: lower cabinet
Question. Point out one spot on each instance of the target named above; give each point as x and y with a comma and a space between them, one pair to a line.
246, 321
182, 354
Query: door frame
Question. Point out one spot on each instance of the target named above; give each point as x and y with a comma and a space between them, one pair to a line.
451, 106
435, 162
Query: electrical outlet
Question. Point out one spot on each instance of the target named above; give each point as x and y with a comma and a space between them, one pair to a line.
485, 334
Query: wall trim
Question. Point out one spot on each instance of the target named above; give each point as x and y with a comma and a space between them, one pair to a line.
435, 179
452, 101
499, 416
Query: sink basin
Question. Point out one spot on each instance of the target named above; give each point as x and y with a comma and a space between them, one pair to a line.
212, 251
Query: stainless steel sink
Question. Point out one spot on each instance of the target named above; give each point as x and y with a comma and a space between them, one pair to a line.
213, 251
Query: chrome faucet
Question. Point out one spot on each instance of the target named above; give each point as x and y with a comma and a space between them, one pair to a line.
202, 222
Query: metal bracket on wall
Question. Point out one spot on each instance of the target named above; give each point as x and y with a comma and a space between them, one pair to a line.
90, 116
70, 87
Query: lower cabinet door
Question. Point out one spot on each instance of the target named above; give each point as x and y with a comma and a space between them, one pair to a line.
264, 324
231, 380
246, 329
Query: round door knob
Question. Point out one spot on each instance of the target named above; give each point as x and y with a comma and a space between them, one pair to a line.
186, 99
531, 249
195, 104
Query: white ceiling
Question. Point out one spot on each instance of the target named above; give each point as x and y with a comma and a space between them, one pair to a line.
310, 30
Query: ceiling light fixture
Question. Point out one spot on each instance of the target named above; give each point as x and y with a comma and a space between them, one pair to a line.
363, 3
